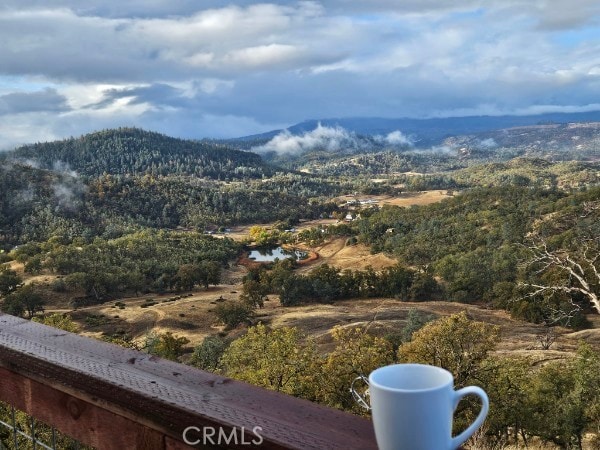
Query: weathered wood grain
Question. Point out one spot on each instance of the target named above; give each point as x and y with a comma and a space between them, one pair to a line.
98, 392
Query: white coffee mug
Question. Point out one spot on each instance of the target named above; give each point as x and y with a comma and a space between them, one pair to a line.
413, 407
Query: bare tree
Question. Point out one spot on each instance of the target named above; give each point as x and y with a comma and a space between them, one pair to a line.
547, 338
577, 273
589, 208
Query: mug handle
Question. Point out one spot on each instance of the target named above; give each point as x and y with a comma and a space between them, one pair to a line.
485, 405
357, 397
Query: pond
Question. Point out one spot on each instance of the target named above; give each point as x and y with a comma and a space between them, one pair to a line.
272, 254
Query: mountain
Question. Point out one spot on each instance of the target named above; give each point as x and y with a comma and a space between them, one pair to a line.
557, 141
427, 132
137, 152
551, 142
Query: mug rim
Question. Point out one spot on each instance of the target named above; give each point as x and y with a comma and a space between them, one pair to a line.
449, 378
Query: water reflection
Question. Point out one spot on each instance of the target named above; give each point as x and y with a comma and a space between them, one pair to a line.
271, 254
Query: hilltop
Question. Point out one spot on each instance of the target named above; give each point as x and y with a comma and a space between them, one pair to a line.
137, 152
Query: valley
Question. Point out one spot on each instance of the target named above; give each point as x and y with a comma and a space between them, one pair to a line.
144, 241
218, 217
191, 314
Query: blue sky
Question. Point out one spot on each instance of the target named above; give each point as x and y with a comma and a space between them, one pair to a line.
218, 69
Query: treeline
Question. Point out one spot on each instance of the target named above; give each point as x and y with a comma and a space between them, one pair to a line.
379, 163
326, 283
134, 151
484, 217
148, 261
478, 243
304, 185
530, 172
437, 170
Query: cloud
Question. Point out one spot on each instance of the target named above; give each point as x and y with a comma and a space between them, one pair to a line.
24, 102
555, 16
255, 37
64, 168
488, 143
191, 123
396, 138
156, 94
331, 139
109, 8
68, 194
443, 149
264, 55
197, 69
34, 164
24, 195
25, 128
68, 189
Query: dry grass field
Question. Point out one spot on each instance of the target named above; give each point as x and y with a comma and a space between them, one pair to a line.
191, 314
403, 199
414, 198
356, 257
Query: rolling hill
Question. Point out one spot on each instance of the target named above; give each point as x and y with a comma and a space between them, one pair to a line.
138, 152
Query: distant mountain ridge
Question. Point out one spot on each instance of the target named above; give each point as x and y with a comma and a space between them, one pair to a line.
573, 140
432, 131
139, 152
578, 141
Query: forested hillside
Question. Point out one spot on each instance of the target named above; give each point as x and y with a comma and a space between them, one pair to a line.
38, 204
137, 152
118, 181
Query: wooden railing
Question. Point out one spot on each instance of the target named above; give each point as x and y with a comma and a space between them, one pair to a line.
110, 397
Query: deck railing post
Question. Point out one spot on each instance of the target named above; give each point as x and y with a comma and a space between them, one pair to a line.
14, 425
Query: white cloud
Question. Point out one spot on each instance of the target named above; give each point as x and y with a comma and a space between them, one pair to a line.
331, 139
488, 143
82, 95
154, 62
200, 59
263, 55
26, 128
398, 138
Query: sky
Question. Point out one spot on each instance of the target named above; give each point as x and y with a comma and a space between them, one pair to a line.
195, 69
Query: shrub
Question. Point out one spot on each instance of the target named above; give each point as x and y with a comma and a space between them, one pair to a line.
59, 285
5, 257
207, 356
166, 345
231, 314
60, 321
